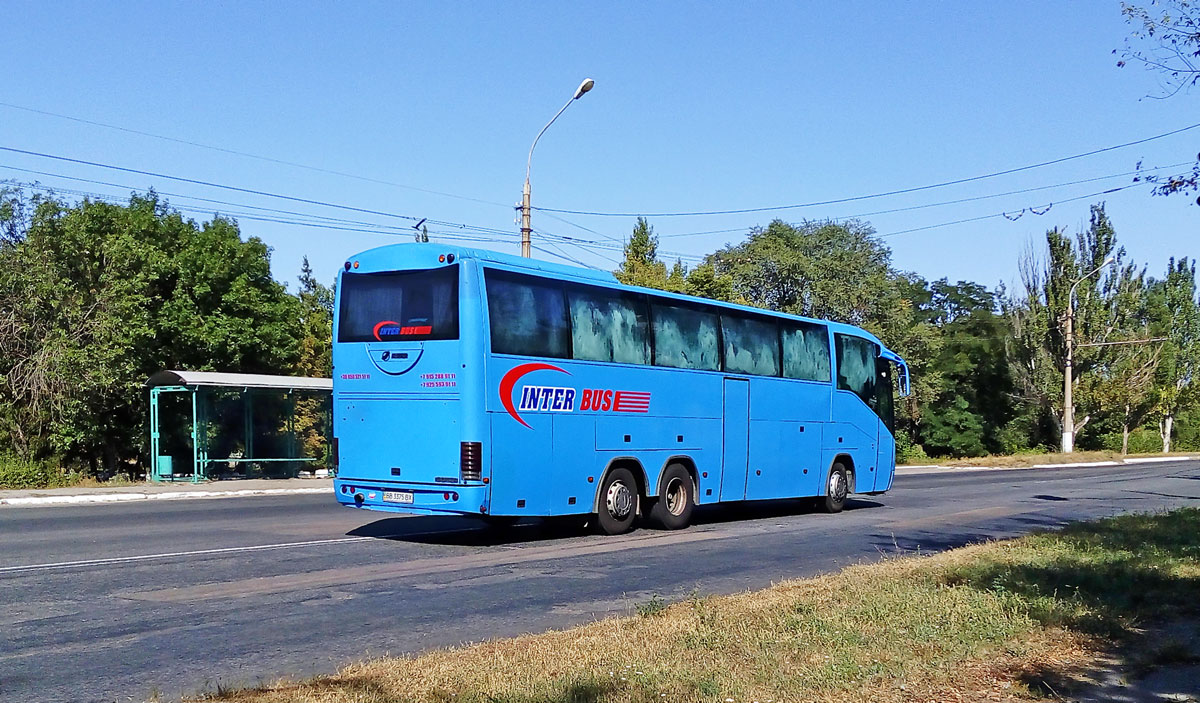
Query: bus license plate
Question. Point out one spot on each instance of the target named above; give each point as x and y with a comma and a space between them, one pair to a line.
397, 497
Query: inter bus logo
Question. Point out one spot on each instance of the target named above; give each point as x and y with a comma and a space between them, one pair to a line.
552, 398
562, 399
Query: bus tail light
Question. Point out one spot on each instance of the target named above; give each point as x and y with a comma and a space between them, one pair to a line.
471, 461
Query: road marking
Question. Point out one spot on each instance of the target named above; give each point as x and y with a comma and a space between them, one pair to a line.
437, 565
169, 555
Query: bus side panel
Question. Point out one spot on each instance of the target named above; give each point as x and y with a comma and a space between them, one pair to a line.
856, 434
786, 418
522, 465
575, 459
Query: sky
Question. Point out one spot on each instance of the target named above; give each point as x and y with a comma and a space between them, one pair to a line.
401, 111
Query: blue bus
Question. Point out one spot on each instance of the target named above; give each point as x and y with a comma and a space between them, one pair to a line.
476, 383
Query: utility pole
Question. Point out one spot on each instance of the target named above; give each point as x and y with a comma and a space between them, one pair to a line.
526, 228
1068, 419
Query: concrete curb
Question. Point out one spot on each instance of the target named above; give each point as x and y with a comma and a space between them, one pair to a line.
937, 468
94, 498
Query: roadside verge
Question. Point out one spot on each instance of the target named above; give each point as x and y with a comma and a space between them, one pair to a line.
1058, 614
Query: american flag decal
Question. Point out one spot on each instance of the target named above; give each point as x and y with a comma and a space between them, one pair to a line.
631, 402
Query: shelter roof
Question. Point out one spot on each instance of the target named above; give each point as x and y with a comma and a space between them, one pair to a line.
238, 380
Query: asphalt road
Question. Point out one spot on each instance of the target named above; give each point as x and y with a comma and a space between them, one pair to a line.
123, 602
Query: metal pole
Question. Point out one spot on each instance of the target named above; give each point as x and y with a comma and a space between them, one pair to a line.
526, 228
1068, 428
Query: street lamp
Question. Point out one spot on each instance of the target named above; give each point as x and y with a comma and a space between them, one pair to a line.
584, 87
1068, 428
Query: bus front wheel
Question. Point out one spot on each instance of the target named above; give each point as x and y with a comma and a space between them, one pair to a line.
676, 499
837, 489
618, 506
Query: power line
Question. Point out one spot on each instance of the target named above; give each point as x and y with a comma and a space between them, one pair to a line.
238, 189
900, 191
1002, 214
959, 200
248, 155
370, 229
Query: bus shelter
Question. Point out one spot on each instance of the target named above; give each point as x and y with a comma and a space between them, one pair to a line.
240, 424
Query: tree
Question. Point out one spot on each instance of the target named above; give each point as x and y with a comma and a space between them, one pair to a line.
641, 266
316, 345
95, 297
1176, 315
1166, 41
818, 269
1038, 318
973, 385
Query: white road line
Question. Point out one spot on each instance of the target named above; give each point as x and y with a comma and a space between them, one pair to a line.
168, 555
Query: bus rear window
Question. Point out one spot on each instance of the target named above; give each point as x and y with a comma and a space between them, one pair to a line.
399, 306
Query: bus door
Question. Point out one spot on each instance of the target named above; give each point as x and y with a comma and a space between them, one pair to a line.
736, 439
885, 408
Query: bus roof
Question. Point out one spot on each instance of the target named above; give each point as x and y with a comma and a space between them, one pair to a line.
409, 255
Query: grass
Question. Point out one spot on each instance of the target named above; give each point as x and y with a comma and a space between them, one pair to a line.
1028, 460
1002, 621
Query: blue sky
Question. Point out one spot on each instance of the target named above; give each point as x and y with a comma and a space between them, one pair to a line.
696, 107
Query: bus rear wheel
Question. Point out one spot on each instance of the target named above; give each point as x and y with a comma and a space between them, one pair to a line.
676, 499
837, 489
619, 501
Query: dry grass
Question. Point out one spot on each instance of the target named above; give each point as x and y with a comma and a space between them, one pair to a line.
994, 622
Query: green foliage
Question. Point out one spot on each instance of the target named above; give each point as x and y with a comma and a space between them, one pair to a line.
316, 348
1141, 441
1166, 41
18, 473
95, 297
909, 452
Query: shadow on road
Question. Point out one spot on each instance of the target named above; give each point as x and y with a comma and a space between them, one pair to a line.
464, 531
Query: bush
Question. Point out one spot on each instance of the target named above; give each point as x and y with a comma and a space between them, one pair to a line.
1141, 441
24, 473
908, 451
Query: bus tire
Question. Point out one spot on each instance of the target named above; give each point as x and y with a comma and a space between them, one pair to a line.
617, 507
672, 510
837, 489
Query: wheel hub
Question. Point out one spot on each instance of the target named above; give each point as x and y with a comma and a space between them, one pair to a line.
619, 500
676, 496
837, 486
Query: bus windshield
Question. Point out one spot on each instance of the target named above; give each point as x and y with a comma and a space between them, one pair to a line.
399, 306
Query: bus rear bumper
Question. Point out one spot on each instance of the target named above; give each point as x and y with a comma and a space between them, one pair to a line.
421, 499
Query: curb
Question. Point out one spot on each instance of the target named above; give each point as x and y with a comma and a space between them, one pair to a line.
942, 468
93, 498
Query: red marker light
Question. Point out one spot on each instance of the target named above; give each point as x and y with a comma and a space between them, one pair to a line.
441, 258
355, 264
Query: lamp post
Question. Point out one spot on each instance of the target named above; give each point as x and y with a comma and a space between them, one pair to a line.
1068, 428
526, 229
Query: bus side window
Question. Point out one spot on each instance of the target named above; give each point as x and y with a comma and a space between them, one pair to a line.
806, 352
527, 316
751, 345
856, 367
685, 337
607, 326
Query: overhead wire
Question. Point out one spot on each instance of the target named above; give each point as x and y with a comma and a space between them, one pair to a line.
259, 157
900, 191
